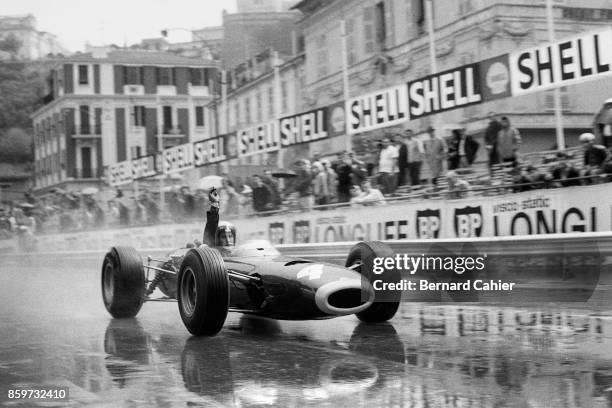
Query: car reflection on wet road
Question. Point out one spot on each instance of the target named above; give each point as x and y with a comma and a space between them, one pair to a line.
55, 331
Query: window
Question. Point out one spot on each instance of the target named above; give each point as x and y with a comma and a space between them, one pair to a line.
167, 119
83, 75
381, 30
164, 76
135, 152
368, 29
247, 110
258, 106
199, 116
271, 102
132, 75
284, 97
321, 56
418, 13
139, 116
237, 113
84, 113
199, 76
465, 6
98, 121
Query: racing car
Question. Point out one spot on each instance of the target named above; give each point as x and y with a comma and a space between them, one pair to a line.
253, 278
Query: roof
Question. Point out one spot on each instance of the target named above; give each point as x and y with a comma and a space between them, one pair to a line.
140, 57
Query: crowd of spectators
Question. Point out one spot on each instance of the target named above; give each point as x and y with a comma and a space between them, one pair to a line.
387, 170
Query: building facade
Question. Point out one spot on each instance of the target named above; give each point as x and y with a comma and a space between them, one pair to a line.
108, 106
387, 44
34, 44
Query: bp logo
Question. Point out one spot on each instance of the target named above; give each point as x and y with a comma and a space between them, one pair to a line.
428, 223
468, 222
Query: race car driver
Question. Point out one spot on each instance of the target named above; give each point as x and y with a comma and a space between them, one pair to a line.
218, 234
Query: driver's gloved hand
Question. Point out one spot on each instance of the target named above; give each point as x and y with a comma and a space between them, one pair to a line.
213, 196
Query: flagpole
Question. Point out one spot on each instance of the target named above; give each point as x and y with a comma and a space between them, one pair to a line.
556, 92
345, 78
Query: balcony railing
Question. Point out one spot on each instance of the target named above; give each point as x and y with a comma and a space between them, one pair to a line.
88, 172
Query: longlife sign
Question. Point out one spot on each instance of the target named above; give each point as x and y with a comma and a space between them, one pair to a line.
572, 60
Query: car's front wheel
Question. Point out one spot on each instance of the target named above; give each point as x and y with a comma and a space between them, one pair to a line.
123, 282
360, 259
203, 291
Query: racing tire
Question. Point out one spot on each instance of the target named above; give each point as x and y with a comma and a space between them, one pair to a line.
364, 253
203, 291
123, 282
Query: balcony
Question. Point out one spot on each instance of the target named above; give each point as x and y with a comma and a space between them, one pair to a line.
88, 173
133, 89
198, 90
166, 90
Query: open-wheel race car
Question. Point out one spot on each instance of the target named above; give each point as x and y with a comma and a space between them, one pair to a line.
252, 278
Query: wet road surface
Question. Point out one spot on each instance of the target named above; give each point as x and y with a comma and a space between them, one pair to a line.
54, 330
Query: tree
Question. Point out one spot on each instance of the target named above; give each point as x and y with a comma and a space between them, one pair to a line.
16, 146
10, 44
21, 91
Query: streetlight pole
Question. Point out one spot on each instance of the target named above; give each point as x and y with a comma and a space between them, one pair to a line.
556, 92
345, 79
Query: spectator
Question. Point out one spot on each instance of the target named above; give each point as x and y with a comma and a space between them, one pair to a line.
371, 196
356, 194
200, 201
415, 155
530, 178
508, 141
461, 150
387, 166
436, 151
358, 168
320, 184
490, 138
262, 196
332, 180
232, 201
402, 160
269, 180
457, 188
302, 184
122, 210
345, 171
188, 202
595, 156
564, 174
151, 209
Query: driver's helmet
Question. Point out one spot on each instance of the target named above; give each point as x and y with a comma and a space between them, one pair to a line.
225, 236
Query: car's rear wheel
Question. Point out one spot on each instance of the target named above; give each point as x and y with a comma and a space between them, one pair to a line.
203, 291
361, 259
123, 282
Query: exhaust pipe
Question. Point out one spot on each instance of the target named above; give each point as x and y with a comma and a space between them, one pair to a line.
344, 296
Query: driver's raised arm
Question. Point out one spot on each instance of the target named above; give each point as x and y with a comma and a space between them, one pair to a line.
212, 218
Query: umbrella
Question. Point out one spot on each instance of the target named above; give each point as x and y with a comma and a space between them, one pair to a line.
208, 182
605, 114
89, 191
284, 173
